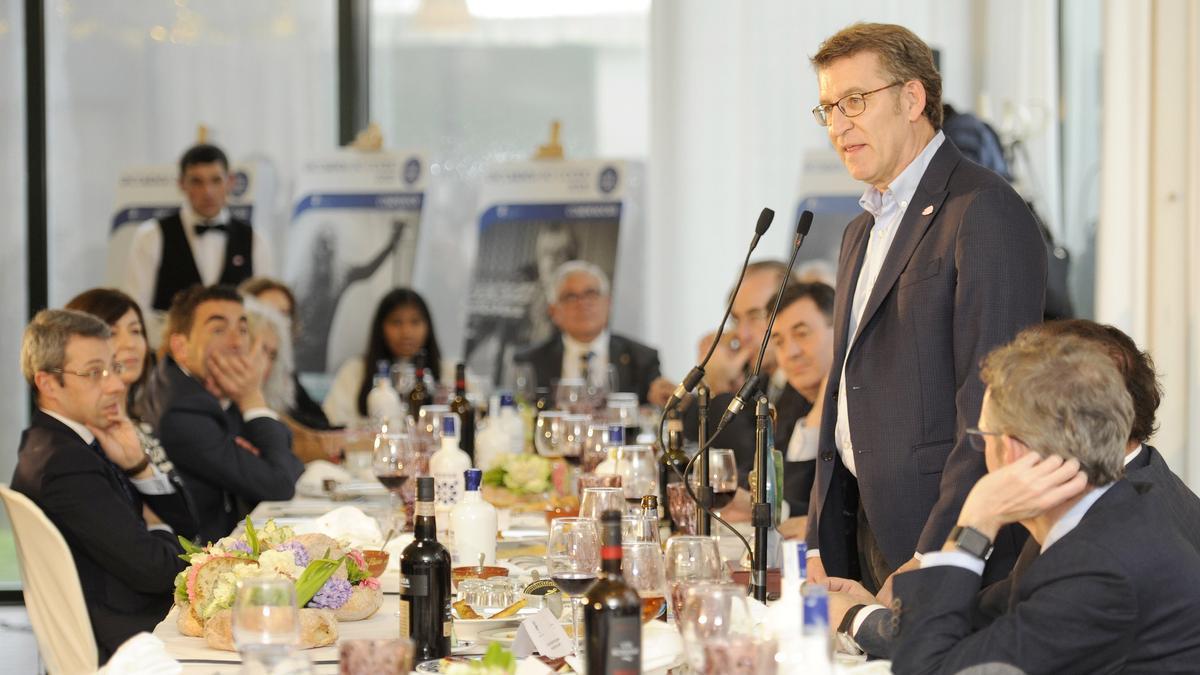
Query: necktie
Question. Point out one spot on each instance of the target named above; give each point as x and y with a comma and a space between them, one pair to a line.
117, 476
201, 228
585, 361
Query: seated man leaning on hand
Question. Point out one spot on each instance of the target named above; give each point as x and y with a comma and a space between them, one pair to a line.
1114, 586
230, 448
872, 628
81, 462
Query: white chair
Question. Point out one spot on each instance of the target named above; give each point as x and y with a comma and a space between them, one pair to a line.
53, 595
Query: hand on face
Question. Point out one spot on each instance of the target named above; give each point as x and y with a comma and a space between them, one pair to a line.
238, 376
726, 370
119, 441
1022, 489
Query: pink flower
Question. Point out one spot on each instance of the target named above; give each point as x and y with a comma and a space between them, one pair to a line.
371, 583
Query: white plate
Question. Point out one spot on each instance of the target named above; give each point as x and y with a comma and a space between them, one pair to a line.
470, 629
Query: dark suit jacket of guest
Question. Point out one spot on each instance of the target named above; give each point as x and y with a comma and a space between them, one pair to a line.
224, 480
1181, 505
1115, 594
965, 272
127, 573
738, 435
637, 365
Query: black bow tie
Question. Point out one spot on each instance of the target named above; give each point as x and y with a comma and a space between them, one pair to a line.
201, 228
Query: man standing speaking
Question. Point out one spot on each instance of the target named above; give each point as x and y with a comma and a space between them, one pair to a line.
945, 263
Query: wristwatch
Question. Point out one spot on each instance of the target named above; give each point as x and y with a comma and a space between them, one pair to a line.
971, 540
848, 620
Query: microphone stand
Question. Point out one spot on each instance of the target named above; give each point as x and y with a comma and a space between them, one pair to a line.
704, 490
763, 513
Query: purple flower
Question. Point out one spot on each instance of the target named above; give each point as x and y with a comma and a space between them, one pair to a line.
297, 550
332, 595
239, 546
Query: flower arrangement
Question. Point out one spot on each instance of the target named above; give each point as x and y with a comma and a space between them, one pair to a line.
327, 576
521, 473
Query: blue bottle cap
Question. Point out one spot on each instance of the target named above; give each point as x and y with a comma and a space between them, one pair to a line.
450, 426
616, 434
506, 399
383, 368
472, 478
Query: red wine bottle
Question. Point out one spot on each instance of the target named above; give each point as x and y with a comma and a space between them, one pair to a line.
425, 583
465, 411
612, 617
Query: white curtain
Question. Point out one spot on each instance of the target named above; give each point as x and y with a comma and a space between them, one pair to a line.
1149, 235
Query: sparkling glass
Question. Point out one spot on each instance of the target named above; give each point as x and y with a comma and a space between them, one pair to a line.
690, 560
265, 621
642, 569
638, 469
712, 613
598, 500
573, 561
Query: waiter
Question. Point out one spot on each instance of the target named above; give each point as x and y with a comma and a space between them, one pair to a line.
202, 244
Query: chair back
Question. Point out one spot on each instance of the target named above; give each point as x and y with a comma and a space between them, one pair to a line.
53, 595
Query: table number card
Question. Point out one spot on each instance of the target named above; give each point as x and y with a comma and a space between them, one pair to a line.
541, 633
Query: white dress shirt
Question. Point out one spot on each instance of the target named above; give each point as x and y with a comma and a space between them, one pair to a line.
573, 353
888, 209
208, 250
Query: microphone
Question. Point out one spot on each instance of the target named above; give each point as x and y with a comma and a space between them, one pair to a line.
697, 372
751, 386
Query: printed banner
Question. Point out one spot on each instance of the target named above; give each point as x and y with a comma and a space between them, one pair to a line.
352, 238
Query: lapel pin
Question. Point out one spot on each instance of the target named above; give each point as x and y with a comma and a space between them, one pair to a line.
928, 210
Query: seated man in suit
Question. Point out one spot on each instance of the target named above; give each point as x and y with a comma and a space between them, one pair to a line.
583, 347
871, 629
81, 462
1114, 586
230, 448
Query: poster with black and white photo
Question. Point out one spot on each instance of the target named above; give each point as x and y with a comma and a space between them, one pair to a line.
353, 237
535, 216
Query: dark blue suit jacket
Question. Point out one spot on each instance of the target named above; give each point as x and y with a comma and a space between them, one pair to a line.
964, 274
1115, 594
225, 480
127, 572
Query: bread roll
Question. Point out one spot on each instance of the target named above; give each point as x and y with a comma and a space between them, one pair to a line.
323, 546
363, 604
318, 628
188, 623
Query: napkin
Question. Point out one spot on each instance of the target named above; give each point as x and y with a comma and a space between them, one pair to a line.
312, 481
142, 654
347, 524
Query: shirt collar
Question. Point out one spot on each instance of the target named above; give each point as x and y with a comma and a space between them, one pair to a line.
1071, 518
84, 433
902, 189
191, 219
595, 346
1134, 455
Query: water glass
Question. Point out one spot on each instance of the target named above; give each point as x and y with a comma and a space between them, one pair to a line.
266, 620
690, 560
596, 501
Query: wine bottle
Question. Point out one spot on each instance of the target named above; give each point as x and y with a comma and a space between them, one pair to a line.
465, 411
674, 460
425, 583
650, 519
612, 618
419, 395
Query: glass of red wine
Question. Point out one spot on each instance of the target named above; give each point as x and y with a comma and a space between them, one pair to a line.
392, 464
573, 560
722, 476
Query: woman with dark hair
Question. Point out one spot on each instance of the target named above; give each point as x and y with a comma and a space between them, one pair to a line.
401, 331
131, 349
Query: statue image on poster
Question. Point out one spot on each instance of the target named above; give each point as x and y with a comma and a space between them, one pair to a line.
330, 276
511, 291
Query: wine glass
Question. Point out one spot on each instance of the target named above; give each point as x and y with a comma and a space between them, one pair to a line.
722, 476
635, 528
712, 613
691, 560
548, 433
392, 464
595, 446
571, 395
638, 470
642, 570
596, 501
681, 507
574, 428
265, 620
573, 561
622, 409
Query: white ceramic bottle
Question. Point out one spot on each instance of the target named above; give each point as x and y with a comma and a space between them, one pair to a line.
447, 466
473, 524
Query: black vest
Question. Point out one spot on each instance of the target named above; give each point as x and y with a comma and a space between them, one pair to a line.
177, 269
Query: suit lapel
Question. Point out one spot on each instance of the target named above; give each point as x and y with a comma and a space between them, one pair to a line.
922, 209
848, 271
549, 366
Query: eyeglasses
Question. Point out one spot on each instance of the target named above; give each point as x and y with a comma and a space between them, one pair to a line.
976, 437
590, 295
96, 375
851, 105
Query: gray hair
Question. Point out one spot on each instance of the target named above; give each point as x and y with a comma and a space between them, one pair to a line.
1061, 395
44, 345
279, 389
577, 267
